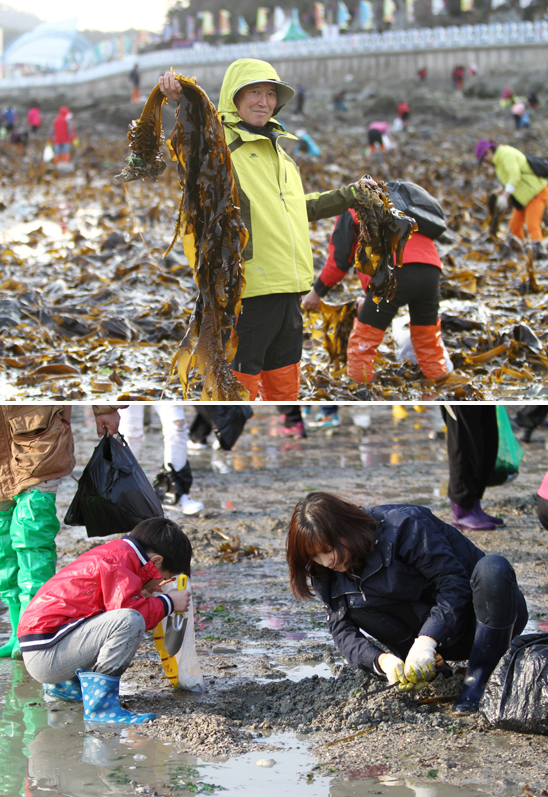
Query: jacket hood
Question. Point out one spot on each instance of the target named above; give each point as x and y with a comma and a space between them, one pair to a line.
64, 111
243, 72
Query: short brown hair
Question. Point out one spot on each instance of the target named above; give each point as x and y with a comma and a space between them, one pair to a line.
325, 522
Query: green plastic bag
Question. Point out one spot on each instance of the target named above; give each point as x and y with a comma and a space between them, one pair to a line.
509, 452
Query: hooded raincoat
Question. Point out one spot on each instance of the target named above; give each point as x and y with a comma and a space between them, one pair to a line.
274, 207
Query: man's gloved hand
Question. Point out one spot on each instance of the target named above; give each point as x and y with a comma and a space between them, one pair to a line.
393, 668
502, 202
420, 664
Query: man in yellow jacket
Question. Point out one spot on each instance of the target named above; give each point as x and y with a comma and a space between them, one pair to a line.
36, 451
276, 211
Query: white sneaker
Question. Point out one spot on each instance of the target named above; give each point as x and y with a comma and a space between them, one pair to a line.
189, 506
196, 446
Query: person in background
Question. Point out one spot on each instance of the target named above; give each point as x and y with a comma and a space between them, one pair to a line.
306, 145
422, 74
338, 100
173, 482
34, 118
81, 631
378, 138
521, 188
404, 113
519, 113
532, 100
472, 443
291, 421
326, 418
9, 118
62, 135
457, 76
418, 286
276, 212
135, 80
528, 418
397, 577
300, 98
36, 452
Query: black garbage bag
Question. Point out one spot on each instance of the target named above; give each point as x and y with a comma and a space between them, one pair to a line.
516, 696
227, 421
415, 201
113, 492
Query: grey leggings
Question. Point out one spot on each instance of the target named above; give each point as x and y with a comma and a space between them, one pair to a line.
105, 643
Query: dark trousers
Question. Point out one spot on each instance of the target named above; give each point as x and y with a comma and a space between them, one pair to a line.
472, 442
496, 601
418, 286
270, 333
531, 416
291, 412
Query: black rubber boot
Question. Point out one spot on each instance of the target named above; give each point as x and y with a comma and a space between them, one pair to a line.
170, 485
490, 644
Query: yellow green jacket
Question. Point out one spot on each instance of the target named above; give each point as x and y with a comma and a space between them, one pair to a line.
273, 205
512, 168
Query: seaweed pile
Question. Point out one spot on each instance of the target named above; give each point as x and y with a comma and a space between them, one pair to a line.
209, 226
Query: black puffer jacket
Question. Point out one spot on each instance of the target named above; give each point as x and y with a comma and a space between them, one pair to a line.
417, 559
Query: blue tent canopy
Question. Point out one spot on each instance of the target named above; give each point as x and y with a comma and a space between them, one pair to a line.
53, 45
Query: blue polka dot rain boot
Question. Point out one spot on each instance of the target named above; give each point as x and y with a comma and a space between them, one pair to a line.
66, 690
101, 694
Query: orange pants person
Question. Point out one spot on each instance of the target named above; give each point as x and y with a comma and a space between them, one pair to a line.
531, 216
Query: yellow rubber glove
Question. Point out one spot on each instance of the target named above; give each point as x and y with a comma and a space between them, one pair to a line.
420, 664
393, 668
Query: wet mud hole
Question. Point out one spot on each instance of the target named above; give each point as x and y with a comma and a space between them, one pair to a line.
276, 688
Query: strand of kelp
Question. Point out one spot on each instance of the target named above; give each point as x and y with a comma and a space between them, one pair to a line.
210, 227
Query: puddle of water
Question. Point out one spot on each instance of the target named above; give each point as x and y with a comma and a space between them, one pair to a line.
296, 672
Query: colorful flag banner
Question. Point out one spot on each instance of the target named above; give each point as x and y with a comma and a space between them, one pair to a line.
388, 11
366, 18
190, 27
261, 24
208, 23
224, 22
466, 5
343, 15
243, 27
438, 7
279, 18
410, 10
319, 15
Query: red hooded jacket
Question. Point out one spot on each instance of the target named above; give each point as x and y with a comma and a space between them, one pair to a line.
63, 129
110, 576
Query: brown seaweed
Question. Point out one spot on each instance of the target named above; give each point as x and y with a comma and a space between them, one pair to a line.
384, 231
211, 230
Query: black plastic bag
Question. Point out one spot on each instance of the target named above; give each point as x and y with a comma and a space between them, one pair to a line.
415, 201
227, 421
113, 492
516, 696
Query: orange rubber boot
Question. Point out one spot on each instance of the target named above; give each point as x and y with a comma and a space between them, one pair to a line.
429, 350
362, 348
282, 384
250, 381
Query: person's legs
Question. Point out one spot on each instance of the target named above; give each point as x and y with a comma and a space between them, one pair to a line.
516, 222
105, 645
257, 326
367, 334
132, 427
501, 613
292, 424
33, 530
533, 214
425, 325
176, 465
9, 589
472, 441
280, 376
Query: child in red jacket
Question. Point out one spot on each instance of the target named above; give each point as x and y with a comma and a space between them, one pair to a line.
418, 286
81, 630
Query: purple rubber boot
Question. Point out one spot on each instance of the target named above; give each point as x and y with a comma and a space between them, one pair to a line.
470, 520
498, 521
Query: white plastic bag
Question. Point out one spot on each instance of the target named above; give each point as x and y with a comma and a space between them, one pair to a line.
48, 153
183, 669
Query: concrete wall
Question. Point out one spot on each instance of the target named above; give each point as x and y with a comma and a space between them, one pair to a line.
327, 71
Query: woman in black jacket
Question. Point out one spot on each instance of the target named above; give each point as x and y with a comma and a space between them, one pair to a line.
412, 582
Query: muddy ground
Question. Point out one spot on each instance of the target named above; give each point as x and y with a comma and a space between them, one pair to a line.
268, 663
